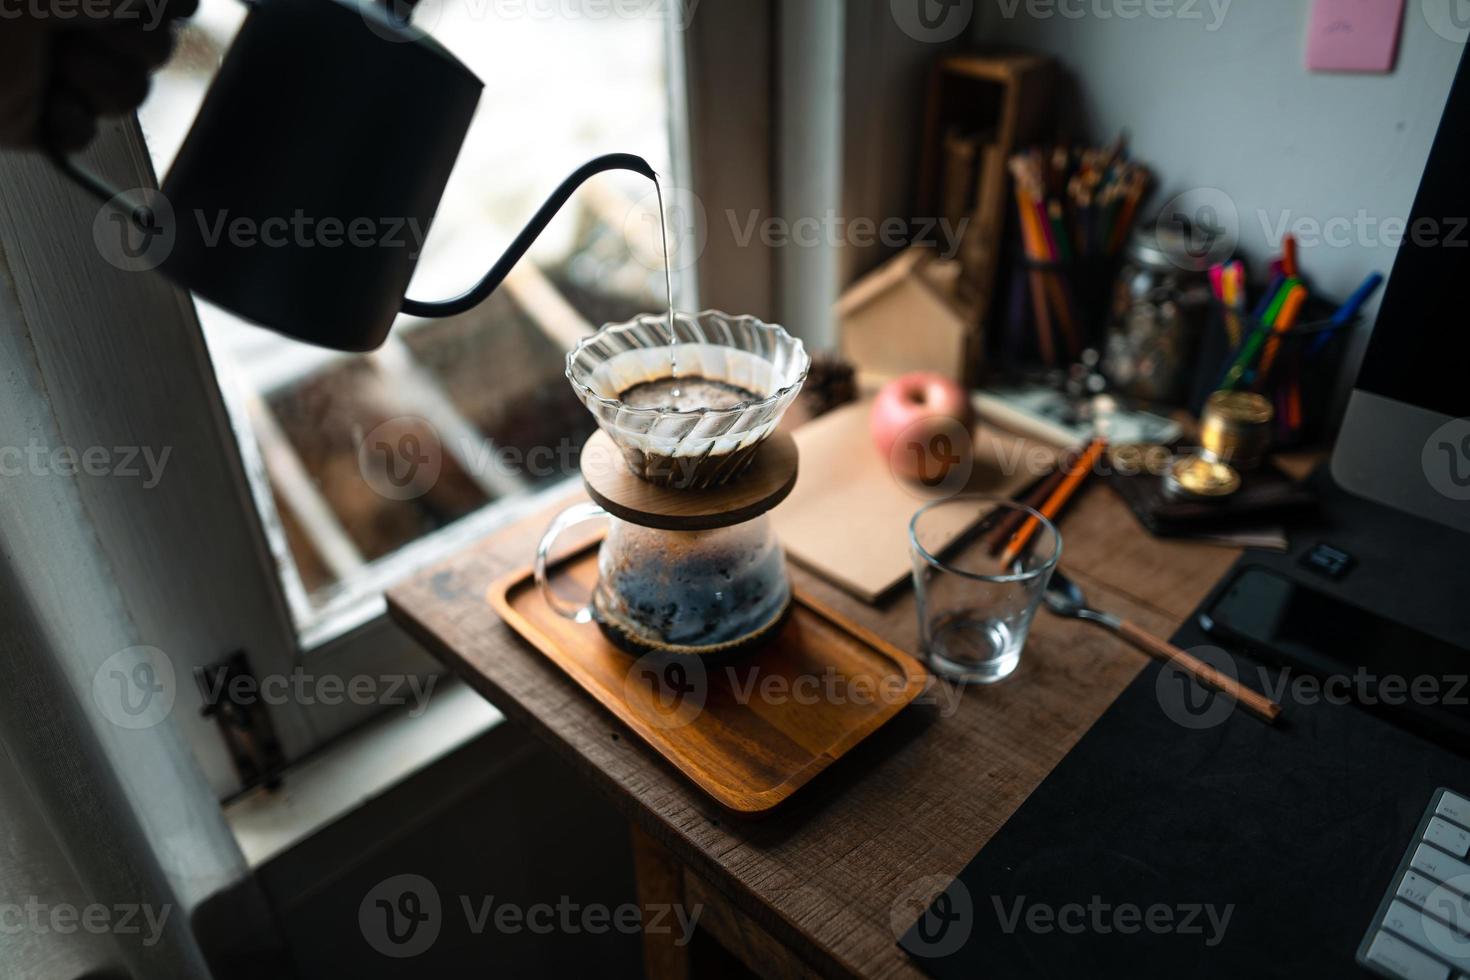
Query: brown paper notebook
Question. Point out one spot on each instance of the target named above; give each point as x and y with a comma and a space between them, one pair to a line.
848, 518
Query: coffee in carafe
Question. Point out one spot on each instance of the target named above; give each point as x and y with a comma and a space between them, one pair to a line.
720, 591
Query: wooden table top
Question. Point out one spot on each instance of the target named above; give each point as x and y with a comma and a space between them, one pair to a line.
910, 806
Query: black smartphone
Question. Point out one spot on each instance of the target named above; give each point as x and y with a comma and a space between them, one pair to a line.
1341, 653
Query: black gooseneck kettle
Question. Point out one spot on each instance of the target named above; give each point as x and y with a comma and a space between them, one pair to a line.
324, 116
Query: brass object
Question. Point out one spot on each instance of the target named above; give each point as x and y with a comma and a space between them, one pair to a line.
1236, 428
1201, 478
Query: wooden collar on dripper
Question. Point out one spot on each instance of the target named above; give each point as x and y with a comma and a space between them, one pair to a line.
764, 484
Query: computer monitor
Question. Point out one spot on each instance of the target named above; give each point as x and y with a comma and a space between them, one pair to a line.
1405, 440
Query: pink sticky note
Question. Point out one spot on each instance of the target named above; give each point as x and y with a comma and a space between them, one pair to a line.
1354, 35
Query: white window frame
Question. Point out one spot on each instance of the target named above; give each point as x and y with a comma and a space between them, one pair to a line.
208, 572
123, 360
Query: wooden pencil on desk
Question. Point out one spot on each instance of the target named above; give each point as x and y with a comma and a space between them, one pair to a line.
1074, 479
1035, 498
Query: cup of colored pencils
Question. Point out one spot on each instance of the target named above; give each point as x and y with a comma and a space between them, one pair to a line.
1283, 341
1076, 208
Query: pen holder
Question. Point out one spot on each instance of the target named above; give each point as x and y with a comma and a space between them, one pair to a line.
1055, 310
1296, 370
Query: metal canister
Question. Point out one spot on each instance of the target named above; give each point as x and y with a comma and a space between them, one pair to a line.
1236, 428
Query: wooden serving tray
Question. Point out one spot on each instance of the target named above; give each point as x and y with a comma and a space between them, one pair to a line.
749, 733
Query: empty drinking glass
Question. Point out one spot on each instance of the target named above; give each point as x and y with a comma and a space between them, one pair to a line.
974, 612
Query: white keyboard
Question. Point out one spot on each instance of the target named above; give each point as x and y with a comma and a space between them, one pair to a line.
1422, 929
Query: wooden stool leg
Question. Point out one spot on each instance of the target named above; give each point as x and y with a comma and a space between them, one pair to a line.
660, 879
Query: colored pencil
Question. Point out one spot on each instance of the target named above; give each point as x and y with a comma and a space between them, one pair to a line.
1057, 221
1075, 205
1036, 252
1076, 476
1070, 333
1051, 249
1273, 312
996, 540
1016, 338
1347, 311
1232, 284
1270, 295
1137, 188
1288, 257
1259, 335
1266, 313
1286, 319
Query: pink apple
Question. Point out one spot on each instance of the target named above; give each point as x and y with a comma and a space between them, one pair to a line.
918, 408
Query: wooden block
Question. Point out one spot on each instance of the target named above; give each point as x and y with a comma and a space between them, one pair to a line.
896, 320
618, 491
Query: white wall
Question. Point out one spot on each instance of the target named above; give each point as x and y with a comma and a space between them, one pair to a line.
1235, 109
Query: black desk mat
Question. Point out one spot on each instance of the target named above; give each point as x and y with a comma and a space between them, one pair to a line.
1296, 829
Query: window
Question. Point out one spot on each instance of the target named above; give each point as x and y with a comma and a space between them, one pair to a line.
479, 397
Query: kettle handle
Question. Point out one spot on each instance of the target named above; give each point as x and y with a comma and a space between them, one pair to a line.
481, 290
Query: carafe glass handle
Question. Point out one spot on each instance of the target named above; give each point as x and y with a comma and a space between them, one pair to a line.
568, 518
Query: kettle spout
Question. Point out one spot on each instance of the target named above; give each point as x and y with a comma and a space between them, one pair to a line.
518, 248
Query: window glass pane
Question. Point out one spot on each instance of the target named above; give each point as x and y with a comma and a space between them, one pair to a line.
483, 393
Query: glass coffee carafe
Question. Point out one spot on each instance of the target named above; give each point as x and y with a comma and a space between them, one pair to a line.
658, 590
690, 563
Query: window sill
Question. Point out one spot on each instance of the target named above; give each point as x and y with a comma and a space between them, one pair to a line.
356, 770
